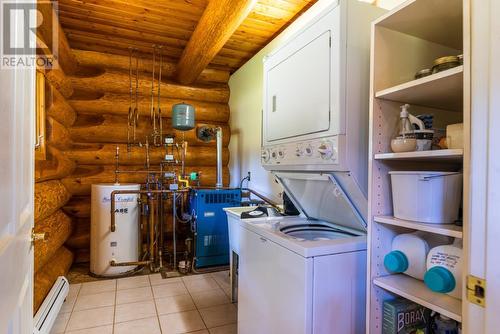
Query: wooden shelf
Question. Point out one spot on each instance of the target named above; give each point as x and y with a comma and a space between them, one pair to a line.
443, 229
454, 155
441, 90
437, 21
416, 291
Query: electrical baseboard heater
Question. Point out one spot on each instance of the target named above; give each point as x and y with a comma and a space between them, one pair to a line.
48, 311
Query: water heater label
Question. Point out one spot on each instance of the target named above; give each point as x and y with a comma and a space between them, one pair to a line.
121, 210
208, 214
122, 199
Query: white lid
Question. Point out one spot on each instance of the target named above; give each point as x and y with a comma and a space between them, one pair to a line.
334, 197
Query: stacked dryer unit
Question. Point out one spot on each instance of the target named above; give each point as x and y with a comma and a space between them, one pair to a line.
293, 276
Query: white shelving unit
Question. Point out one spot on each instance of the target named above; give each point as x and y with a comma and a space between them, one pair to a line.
405, 41
416, 291
443, 229
441, 90
454, 155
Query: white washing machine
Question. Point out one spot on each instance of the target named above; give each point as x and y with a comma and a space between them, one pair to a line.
303, 274
307, 274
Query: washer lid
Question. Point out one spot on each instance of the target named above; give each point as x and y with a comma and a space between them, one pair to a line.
334, 197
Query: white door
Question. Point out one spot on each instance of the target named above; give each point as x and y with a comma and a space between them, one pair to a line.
493, 171
484, 245
17, 87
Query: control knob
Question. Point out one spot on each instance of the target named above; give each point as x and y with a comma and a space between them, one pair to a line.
326, 150
299, 151
265, 155
309, 150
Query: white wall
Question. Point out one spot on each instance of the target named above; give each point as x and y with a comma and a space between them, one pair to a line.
246, 110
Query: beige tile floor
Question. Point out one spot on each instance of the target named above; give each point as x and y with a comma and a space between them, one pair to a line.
148, 304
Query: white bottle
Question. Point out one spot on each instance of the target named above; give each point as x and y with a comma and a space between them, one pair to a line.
409, 253
444, 269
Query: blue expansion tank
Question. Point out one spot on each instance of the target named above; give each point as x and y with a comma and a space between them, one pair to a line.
210, 224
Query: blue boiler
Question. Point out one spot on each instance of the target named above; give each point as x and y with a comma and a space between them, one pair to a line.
210, 224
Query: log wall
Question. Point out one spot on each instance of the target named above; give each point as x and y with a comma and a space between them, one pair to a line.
51, 258
101, 101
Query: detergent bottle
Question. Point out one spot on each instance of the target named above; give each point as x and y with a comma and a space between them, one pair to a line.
444, 269
409, 253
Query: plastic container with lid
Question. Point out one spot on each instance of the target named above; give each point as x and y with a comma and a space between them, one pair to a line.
409, 253
444, 269
427, 197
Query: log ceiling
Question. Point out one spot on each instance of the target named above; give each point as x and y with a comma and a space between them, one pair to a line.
112, 26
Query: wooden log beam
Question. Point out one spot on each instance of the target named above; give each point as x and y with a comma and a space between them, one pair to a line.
58, 108
80, 238
113, 129
78, 207
219, 21
82, 255
112, 81
105, 154
45, 30
79, 183
57, 228
118, 62
118, 104
49, 197
58, 265
58, 79
57, 135
55, 167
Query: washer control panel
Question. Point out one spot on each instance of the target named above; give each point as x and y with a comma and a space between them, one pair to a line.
317, 151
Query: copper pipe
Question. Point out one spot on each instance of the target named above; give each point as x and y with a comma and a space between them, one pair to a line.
139, 171
118, 192
152, 210
113, 263
218, 135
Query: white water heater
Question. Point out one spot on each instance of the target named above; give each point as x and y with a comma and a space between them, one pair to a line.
122, 245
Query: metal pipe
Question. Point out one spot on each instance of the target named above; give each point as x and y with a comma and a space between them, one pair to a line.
117, 157
113, 263
174, 213
264, 198
219, 157
147, 154
160, 219
183, 156
152, 209
139, 171
121, 192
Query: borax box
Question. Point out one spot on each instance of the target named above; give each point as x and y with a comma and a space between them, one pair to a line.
402, 316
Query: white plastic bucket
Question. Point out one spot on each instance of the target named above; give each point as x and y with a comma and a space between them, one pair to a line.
427, 197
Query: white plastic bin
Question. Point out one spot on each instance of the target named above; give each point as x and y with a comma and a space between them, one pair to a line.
427, 197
